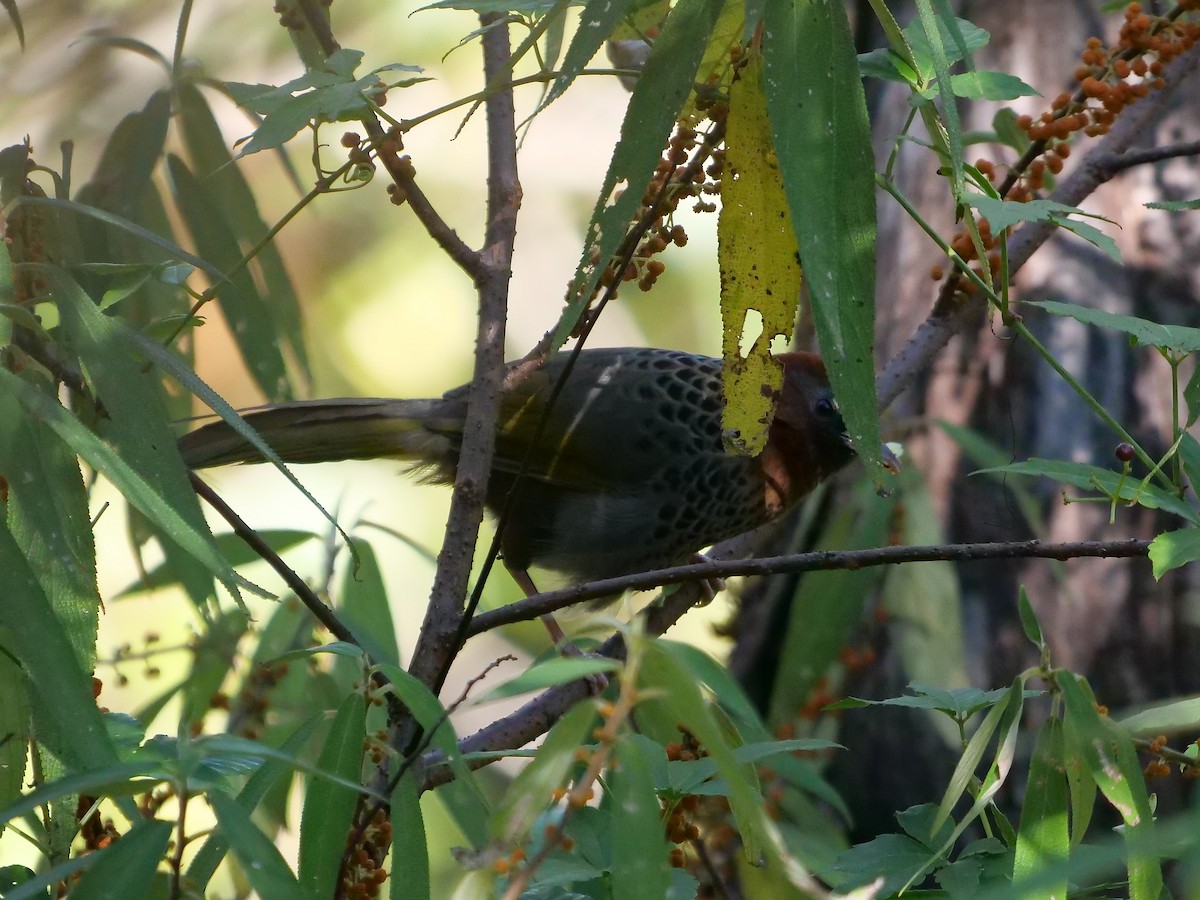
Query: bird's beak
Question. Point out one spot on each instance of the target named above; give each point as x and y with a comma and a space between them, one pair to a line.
890, 459
888, 456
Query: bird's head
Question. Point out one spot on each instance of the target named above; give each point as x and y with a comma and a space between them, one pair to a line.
808, 424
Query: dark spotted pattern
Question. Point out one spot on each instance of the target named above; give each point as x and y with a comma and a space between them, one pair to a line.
631, 474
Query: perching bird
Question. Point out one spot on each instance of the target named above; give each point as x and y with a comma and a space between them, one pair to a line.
629, 475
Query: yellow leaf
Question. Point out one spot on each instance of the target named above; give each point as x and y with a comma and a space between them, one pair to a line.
760, 265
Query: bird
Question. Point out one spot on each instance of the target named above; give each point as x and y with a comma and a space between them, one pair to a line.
628, 473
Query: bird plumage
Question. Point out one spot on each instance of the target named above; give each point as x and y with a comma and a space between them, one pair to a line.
629, 474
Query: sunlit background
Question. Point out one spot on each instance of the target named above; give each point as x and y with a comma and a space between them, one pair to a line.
386, 313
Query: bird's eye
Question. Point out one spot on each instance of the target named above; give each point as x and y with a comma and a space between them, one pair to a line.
826, 406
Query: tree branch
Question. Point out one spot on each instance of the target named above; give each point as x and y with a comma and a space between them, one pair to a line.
436, 644
539, 714
952, 312
551, 601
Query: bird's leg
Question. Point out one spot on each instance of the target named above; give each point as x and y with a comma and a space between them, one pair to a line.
597, 682
525, 583
709, 587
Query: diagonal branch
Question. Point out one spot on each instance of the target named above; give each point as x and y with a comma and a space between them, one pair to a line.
952, 312
819, 560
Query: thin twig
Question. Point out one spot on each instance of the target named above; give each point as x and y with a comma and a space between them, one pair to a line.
539, 714
266, 552
550, 601
1122, 161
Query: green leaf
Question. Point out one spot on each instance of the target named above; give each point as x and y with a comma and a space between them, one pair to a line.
558, 670
74, 730
1094, 478
364, 607
1005, 124
957, 38
327, 94
823, 144
129, 482
1002, 214
662, 675
410, 847
1179, 338
235, 551
1042, 838
964, 772
664, 85
893, 857
597, 20
231, 193
462, 795
47, 513
725, 687
959, 704
1029, 621
828, 605
639, 847
251, 317
216, 845
329, 807
1174, 205
126, 868
1173, 549
136, 424
990, 86
1165, 718
687, 776
14, 722
1113, 761
262, 863
530, 791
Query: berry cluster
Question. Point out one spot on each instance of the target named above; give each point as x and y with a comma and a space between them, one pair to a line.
1110, 79
363, 875
680, 174
689, 167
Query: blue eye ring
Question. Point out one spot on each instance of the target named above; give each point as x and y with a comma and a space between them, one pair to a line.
825, 406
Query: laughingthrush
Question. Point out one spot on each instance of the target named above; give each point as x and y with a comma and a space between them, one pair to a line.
629, 473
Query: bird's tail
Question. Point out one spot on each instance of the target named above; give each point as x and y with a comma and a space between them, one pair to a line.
420, 431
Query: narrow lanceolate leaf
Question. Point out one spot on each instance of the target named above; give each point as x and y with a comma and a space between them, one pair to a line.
74, 731
596, 23
263, 864
223, 180
760, 265
410, 847
329, 807
1113, 762
127, 480
664, 85
126, 868
823, 141
251, 317
1042, 837
638, 843
530, 791
136, 421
